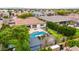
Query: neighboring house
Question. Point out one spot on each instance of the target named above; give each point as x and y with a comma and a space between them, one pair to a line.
37, 14
31, 22
77, 18
58, 19
6, 21
75, 48
49, 13
4, 13
1, 22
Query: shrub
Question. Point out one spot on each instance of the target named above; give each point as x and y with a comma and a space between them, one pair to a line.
72, 43
25, 15
65, 30
63, 12
6, 17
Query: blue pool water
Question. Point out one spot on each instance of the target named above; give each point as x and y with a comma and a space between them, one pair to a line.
34, 41
36, 34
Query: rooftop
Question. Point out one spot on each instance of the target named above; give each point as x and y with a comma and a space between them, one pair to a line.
75, 48
28, 21
58, 18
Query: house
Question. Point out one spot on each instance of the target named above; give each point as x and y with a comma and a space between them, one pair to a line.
58, 19
37, 13
31, 22
1, 22
43, 12
75, 48
77, 18
4, 13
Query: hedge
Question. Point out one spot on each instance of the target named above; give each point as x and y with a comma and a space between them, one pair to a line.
65, 30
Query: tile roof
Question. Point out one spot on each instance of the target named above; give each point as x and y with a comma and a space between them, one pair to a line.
58, 18
28, 21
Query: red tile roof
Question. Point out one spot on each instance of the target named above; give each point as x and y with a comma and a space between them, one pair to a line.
28, 21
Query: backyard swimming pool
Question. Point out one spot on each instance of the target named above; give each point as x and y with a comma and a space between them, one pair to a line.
36, 34
34, 41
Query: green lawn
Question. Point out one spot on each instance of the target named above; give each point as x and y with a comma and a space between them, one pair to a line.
55, 34
76, 36
59, 36
77, 32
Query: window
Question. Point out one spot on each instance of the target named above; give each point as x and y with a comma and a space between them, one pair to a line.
42, 24
29, 26
11, 22
34, 26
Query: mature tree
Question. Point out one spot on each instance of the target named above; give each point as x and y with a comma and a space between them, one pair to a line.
24, 15
52, 25
17, 36
72, 43
63, 12
75, 10
4, 26
5, 17
65, 30
5, 36
68, 31
21, 33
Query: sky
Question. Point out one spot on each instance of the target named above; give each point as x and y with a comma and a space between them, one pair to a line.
39, 3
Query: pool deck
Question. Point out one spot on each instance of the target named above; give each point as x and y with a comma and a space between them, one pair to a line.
35, 43
36, 30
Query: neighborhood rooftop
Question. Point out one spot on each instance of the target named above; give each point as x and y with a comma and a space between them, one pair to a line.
58, 18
